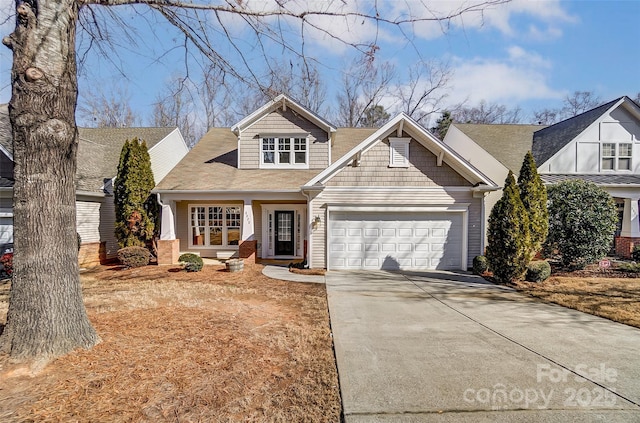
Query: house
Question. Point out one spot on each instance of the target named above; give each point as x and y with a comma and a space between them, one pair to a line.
284, 183
98, 157
601, 145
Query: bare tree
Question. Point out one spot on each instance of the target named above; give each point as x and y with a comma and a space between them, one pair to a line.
579, 102
46, 316
637, 98
364, 86
572, 105
425, 89
112, 111
175, 108
486, 113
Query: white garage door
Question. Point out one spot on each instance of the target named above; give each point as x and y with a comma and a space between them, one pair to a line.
406, 241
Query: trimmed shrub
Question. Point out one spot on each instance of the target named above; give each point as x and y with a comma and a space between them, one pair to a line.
582, 221
629, 267
508, 234
7, 263
480, 265
635, 254
191, 262
538, 271
134, 256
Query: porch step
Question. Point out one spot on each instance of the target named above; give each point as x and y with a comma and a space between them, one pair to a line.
225, 255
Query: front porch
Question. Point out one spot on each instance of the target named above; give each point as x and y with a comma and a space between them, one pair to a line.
628, 233
220, 228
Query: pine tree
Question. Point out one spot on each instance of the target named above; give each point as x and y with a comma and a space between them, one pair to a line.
508, 235
136, 208
533, 194
442, 125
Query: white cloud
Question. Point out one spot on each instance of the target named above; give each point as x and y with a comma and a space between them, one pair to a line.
519, 77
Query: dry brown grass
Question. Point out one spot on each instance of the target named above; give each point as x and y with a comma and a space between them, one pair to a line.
617, 299
194, 347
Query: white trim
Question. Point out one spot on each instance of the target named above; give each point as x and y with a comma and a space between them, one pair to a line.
292, 151
6, 152
419, 134
270, 209
457, 207
401, 146
392, 189
224, 235
6, 214
282, 101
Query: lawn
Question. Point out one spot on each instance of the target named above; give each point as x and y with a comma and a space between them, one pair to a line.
617, 299
177, 346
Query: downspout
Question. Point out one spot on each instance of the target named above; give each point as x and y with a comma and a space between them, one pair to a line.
309, 229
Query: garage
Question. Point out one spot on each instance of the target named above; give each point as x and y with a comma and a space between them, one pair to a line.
6, 229
397, 240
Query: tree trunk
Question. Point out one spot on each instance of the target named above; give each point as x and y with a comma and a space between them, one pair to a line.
46, 317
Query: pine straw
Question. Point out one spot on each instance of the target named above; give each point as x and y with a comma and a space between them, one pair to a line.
616, 299
177, 346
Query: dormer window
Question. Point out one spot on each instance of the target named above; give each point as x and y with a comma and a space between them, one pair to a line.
286, 151
616, 156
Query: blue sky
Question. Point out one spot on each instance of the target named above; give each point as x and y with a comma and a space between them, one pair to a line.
527, 53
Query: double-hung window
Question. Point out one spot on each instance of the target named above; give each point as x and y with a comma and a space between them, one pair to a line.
215, 225
284, 152
616, 156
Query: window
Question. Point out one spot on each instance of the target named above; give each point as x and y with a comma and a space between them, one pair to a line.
215, 226
399, 152
616, 156
284, 152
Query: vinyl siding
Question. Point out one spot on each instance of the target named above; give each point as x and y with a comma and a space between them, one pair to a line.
108, 226
374, 170
95, 222
166, 154
286, 123
391, 197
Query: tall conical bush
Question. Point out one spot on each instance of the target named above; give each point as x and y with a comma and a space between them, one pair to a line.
533, 194
508, 235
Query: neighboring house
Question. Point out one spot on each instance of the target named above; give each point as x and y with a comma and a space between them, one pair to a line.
284, 183
98, 158
601, 145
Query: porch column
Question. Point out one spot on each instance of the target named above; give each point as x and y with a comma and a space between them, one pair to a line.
248, 243
168, 245
631, 219
167, 224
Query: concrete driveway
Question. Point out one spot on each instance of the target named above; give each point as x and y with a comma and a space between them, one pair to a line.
450, 347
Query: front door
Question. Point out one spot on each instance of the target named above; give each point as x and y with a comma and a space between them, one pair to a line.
284, 233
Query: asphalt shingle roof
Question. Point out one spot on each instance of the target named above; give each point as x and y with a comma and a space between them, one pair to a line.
550, 140
507, 143
596, 179
99, 152
211, 165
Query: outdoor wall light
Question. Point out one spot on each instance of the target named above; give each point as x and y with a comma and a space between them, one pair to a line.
315, 222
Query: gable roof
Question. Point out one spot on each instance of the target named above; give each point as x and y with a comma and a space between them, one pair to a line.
507, 143
212, 165
404, 123
283, 101
548, 141
99, 152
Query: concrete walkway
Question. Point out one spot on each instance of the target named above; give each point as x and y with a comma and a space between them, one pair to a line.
282, 273
445, 347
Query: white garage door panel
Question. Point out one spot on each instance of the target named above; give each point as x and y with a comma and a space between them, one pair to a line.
408, 241
6, 230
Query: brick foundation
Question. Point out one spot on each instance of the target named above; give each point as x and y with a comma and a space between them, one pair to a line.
624, 246
92, 254
168, 251
247, 250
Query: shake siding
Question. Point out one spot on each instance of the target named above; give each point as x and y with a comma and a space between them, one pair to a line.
166, 154
285, 123
392, 197
374, 170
